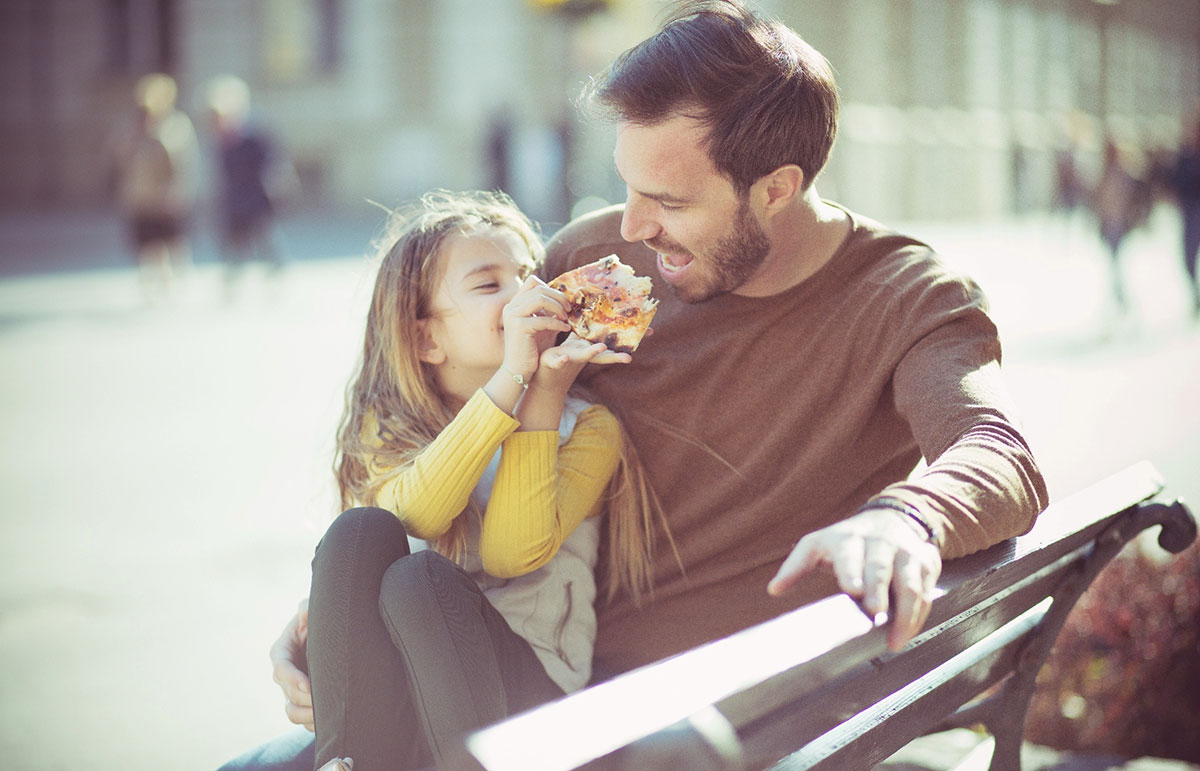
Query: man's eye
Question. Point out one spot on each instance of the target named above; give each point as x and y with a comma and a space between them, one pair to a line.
670, 207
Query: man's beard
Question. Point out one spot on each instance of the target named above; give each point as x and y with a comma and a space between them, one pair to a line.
733, 260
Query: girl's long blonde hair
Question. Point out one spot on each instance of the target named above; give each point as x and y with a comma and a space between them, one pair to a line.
394, 408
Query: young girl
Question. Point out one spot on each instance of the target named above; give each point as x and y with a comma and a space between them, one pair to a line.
459, 430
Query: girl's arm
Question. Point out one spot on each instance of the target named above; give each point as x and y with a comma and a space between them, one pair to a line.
430, 493
543, 491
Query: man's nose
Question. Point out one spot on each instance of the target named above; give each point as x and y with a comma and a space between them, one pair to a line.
636, 223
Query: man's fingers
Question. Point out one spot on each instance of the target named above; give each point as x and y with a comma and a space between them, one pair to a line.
876, 575
298, 693
290, 678
849, 566
913, 581
910, 605
299, 715
804, 557
294, 683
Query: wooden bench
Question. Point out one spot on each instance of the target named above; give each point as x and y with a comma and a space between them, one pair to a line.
816, 687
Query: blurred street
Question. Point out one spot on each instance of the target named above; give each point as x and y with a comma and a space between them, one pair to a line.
165, 470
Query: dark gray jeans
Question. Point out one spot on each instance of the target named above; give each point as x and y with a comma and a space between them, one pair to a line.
405, 654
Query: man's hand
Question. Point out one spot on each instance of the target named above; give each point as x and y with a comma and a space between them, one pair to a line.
287, 651
870, 553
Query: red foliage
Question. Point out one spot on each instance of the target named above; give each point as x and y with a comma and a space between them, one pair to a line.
1124, 675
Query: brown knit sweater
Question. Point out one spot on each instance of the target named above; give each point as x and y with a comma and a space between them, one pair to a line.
763, 419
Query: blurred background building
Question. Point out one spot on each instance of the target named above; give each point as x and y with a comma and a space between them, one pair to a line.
952, 108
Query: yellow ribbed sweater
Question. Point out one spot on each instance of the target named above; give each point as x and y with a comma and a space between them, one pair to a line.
541, 493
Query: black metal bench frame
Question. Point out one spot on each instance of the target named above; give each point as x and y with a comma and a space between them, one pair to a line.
817, 688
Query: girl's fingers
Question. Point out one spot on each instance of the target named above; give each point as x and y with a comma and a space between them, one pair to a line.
535, 283
539, 300
531, 324
611, 357
572, 350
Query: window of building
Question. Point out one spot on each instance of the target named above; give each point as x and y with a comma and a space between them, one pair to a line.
301, 39
140, 36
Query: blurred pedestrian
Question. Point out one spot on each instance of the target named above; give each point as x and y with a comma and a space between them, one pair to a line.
1070, 186
1183, 180
1074, 178
154, 164
1120, 202
253, 176
499, 150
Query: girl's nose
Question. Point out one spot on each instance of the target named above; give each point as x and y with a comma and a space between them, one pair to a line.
637, 224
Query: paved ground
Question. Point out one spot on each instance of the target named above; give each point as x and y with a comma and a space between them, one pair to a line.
164, 471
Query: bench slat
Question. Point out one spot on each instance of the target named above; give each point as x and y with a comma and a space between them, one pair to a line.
871, 736
812, 711
605, 717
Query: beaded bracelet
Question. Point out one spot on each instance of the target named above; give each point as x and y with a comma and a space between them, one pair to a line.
895, 504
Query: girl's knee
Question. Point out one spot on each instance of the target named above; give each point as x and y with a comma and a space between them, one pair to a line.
368, 517
422, 568
423, 578
356, 529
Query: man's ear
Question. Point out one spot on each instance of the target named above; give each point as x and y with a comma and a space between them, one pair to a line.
781, 187
428, 351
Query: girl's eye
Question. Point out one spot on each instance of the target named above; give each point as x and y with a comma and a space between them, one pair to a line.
489, 286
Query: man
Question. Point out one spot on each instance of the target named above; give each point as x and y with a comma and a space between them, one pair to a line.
804, 359
253, 174
1183, 180
155, 163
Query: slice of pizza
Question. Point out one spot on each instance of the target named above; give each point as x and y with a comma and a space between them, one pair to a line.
609, 304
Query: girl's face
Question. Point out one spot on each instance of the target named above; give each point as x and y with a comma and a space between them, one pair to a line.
481, 269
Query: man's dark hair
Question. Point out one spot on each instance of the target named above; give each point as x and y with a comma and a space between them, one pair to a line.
766, 97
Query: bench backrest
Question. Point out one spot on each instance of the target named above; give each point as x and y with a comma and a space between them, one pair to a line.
817, 686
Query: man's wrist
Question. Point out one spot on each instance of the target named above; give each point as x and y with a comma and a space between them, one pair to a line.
909, 513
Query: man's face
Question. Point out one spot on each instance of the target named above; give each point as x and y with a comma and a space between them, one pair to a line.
708, 240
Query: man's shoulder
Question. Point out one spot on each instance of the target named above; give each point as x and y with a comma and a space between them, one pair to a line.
589, 237
867, 233
897, 264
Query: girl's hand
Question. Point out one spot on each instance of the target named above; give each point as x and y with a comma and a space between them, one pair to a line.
532, 319
561, 364
541, 409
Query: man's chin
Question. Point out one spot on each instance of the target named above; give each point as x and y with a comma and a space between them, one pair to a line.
692, 295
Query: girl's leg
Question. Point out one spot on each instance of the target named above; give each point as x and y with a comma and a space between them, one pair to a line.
360, 688
466, 667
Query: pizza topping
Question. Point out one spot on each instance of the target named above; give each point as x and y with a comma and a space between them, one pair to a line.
609, 303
